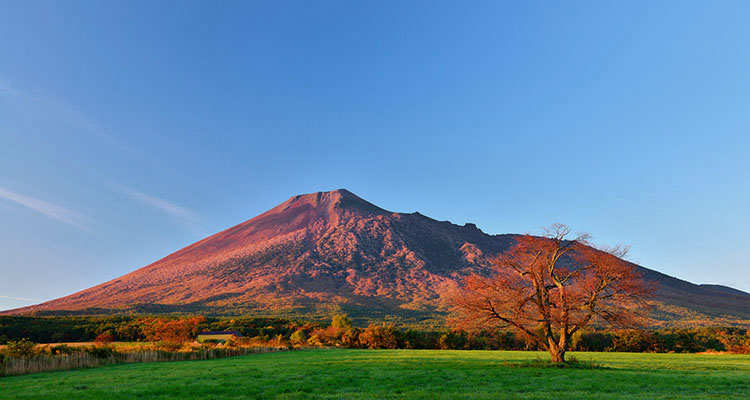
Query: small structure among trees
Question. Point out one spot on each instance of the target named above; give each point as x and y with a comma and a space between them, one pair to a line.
548, 288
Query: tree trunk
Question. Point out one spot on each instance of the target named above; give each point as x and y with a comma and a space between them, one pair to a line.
558, 355
562, 346
556, 351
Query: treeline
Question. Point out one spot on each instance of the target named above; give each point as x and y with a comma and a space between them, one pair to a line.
733, 340
340, 332
130, 328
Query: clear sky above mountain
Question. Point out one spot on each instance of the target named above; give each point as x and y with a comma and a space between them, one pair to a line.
131, 129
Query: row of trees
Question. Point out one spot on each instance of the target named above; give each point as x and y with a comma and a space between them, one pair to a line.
130, 328
659, 341
171, 334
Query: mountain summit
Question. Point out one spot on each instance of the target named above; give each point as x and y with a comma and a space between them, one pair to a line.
333, 249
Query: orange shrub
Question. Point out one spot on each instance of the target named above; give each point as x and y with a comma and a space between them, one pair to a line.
104, 338
179, 330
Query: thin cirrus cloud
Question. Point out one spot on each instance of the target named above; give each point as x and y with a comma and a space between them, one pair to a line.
59, 110
17, 298
51, 210
181, 214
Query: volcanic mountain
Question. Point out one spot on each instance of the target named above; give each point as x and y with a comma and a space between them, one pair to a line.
325, 250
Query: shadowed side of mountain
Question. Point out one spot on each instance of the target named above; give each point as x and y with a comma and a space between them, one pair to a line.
711, 300
724, 289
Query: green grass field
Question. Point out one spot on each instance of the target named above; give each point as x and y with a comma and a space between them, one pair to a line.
398, 374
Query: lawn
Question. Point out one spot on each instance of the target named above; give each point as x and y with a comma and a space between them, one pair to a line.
398, 374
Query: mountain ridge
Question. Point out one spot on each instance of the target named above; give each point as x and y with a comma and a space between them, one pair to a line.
335, 249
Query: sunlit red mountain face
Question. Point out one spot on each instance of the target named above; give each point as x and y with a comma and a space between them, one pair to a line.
335, 250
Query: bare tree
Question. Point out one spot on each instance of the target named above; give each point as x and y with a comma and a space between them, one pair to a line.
550, 287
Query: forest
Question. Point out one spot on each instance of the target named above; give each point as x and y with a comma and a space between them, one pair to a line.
339, 332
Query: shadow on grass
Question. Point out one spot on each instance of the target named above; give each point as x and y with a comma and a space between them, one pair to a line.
571, 363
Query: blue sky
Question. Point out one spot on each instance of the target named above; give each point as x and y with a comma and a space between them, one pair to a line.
129, 130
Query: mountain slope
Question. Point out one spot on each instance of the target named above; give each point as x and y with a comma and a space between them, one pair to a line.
327, 249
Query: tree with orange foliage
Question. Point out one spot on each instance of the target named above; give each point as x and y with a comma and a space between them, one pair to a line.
550, 287
104, 338
174, 331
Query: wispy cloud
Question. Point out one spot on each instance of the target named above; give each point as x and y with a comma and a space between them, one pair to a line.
51, 210
7, 88
18, 298
180, 213
57, 109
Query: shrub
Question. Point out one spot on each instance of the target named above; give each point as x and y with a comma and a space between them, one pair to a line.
331, 336
416, 339
105, 337
350, 338
102, 352
279, 341
299, 337
507, 340
315, 340
736, 342
380, 337
62, 349
179, 330
591, 341
453, 341
21, 348
341, 321
634, 341
169, 346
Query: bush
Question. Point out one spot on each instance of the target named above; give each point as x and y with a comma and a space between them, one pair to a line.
380, 337
105, 337
279, 341
21, 348
735, 341
102, 352
169, 346
453, 341
350, 338
179, 330
634, 341
342, 322
591, 341
298, 338
62, 349
331, 336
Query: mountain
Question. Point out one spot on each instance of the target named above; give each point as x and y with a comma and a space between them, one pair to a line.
335, 251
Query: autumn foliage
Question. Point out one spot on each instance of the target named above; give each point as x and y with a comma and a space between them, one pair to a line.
548, 288
104, 337
174, 331
380, 337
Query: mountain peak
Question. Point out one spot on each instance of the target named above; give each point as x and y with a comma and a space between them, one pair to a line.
339, 198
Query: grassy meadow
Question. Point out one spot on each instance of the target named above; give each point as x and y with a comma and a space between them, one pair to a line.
399, 374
